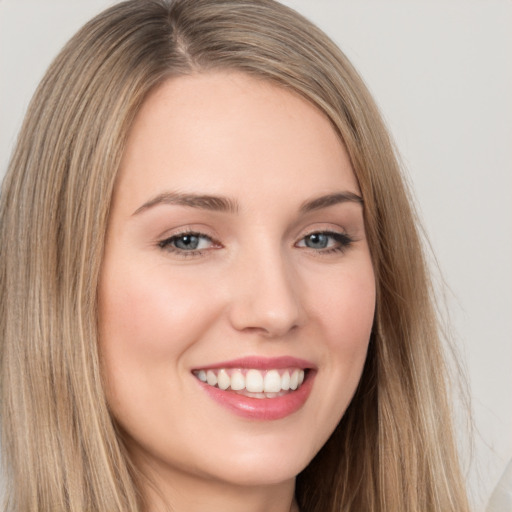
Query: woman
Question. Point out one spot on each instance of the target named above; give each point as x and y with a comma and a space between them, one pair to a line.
213, 289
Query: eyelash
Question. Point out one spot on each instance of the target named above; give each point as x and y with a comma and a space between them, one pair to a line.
343, 242
167, 244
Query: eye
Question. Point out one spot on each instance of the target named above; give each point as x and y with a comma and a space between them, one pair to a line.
187, 243
326, 241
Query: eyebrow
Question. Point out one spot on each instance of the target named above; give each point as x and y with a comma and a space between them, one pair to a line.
330, 200
225, 204
203, 202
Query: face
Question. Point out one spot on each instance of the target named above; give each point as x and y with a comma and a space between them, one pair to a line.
237, 292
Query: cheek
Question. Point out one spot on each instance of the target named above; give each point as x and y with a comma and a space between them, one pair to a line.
346, 306
151, 312
148, 320
345, 311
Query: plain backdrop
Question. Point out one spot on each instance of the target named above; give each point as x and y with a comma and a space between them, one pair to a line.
441, 72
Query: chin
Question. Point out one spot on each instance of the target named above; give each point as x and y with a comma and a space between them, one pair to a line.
263, 472
263, 465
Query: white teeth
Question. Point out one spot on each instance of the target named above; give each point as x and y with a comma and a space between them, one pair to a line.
285, 381
254, 381
211, 378
270, 383
294, 380
223, 379
237, 381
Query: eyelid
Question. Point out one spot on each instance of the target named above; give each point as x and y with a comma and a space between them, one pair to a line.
165, 242
186, 229
344, 241
323, 229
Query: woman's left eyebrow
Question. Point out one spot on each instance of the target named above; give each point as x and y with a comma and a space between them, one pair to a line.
329, 200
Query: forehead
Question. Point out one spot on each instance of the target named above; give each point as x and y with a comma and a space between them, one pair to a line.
230, 134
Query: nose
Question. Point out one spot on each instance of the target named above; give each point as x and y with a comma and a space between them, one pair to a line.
265, 296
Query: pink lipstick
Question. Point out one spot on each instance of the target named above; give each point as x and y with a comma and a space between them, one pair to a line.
259, 388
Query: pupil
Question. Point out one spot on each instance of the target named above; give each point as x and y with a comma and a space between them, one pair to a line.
187, 242
317, 241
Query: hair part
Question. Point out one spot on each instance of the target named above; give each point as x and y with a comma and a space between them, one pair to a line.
393, 449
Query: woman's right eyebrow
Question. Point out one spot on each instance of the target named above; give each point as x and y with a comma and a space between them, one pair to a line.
204, 202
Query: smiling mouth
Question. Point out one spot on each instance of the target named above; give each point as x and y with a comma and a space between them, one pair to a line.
252, 382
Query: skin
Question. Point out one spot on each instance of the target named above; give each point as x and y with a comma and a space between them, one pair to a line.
256, 287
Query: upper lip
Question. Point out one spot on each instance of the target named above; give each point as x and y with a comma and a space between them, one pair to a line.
261, 363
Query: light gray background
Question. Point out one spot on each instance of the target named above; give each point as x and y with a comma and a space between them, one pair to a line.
441, 72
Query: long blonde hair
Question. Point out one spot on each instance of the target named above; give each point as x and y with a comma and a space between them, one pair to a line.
394, 448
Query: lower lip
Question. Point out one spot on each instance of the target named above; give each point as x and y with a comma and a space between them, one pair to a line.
262, 408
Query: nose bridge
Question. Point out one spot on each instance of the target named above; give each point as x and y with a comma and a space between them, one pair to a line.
265, 294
